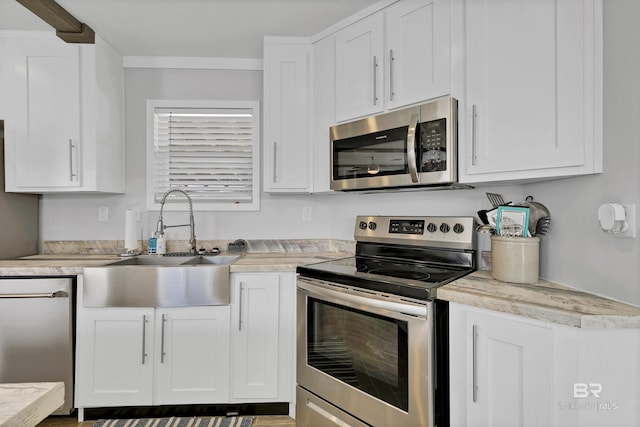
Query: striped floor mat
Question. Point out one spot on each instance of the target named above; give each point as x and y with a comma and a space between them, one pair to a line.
178, 422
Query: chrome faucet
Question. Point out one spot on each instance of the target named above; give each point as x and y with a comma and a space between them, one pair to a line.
160, 227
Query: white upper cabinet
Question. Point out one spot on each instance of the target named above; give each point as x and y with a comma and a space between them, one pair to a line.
324, 110
63, 113
393, 58
287, 163
418, 54
532, 95
359, 65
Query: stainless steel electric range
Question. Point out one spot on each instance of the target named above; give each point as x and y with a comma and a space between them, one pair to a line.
372, 344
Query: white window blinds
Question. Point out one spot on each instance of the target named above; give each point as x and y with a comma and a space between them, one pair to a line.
210, 152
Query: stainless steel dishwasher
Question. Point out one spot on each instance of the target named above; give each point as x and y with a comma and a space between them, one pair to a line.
36, 332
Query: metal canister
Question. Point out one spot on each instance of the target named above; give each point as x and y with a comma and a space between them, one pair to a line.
483, 252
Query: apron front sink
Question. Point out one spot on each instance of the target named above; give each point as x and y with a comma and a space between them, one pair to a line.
159, 281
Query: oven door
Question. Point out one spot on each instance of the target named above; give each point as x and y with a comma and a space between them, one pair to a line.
367, 355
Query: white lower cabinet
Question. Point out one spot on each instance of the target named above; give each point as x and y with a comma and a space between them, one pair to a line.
115, 357
192, 355
262, 337
508, 370
147, 356
238, 353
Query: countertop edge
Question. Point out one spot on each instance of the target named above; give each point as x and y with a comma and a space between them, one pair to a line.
583, 310
27, 404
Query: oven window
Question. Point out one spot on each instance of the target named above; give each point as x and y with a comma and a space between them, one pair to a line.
364, 350
377, 154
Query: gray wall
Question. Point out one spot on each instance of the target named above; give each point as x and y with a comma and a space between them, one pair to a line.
575, 253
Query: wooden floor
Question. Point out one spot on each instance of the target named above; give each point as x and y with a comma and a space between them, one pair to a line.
261, 421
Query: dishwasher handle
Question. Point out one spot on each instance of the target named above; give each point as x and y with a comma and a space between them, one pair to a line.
55, 294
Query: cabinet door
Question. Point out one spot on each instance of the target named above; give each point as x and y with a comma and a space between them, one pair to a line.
531, 90
255, 336
286, 157
502, 370
43, 83
324, 110
359, 68
115, 353
418, 58
192, 355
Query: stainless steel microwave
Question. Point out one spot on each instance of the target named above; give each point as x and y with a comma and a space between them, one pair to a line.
415, 146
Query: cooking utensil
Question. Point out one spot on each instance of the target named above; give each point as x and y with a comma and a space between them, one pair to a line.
543, 225
482, 214
495, 199
539, 217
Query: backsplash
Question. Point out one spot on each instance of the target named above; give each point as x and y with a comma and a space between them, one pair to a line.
115, 247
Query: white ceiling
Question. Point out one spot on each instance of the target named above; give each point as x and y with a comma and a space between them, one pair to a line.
192, 28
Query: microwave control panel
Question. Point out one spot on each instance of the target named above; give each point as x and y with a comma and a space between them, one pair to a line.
433, 138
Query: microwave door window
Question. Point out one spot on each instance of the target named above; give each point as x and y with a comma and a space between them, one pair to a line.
366, 156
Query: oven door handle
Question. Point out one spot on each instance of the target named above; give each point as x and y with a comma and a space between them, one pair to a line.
416, 310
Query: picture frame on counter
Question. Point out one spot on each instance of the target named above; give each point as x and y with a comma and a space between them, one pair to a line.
512, 221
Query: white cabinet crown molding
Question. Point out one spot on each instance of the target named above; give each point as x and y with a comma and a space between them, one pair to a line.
194, 63
352, 19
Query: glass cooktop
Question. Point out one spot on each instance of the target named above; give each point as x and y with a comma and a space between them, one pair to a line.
406, 278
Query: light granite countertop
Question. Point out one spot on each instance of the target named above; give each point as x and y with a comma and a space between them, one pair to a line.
544, 300
73, 264
27, 404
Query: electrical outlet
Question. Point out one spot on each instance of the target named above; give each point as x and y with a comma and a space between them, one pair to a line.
306, 213
103, 214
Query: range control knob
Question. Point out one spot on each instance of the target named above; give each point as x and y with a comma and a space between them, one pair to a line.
432, 228
362, 225
444, 227
372, 225
458, 228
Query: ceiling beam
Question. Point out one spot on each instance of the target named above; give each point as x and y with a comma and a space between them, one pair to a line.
67, 27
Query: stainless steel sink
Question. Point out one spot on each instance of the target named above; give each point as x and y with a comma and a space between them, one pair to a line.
159, 281
152, 260
212, 260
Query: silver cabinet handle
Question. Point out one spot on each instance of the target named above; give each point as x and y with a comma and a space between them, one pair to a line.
391, 60
240, 307
56, 294
411, 148
375, 80
475, 363
73, 167
162, 353
275, 160
144, 338
474, 137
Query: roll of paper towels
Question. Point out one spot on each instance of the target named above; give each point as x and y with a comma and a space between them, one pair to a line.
130, 235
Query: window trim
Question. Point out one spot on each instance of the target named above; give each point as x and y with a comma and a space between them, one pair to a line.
152, 104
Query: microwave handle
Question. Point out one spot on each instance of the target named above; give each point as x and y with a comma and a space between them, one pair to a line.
411, 148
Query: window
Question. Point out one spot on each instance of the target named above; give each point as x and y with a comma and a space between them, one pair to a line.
210, 149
